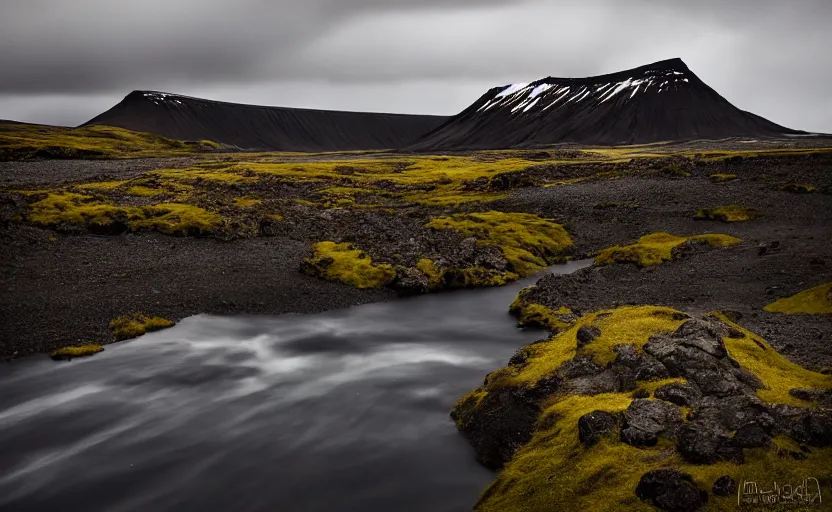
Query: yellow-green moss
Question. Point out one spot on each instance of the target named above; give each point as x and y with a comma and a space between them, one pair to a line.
529, 243
798, 188
657, 248
554, 471
775, 371
136, 324
814, 301
68, 207
142, 191
628, 325
530, 314
247, 202
722, 178
342, 262
78, 351
434, 274
731, 213
173, 218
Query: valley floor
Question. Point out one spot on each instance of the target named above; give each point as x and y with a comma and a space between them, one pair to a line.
62, 284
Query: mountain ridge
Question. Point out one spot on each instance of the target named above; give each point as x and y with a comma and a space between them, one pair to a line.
667, 101
257, 127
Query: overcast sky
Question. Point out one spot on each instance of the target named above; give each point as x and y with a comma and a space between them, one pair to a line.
63, 62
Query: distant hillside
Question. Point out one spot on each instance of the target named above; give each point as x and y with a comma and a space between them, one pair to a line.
663, 101
24, 141
266, 128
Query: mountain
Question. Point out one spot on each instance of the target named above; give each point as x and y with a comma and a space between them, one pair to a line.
264, 128
662, 101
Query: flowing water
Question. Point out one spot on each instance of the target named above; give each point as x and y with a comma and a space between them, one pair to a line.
343, 410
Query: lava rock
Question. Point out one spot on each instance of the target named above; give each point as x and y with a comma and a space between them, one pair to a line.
671, 490
579, 367
644, 366
595, 425
646, 420
752, 435
705, 443
724, 486
410, 281
678, 393
587, 334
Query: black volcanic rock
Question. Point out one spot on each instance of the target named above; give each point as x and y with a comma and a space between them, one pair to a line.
663, 101
266, 128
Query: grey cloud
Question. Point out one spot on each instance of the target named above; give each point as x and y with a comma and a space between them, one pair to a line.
403, 55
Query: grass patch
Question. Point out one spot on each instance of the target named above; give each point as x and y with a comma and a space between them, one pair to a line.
657, 248
529, 243
135, 324
731, 213
342, 262
814, 301
68, 353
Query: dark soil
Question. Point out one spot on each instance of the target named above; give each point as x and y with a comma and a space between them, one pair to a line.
65, 290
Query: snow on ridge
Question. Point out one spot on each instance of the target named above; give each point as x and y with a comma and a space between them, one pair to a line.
545, 94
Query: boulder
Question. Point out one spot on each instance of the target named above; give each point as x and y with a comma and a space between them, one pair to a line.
646, 420
671, 491
595, 425
587, 334
724, 486
678, 393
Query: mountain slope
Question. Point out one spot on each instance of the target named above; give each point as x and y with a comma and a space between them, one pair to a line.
657, 102
266, 128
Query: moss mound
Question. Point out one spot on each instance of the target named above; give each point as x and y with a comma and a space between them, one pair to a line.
731, 213
134, 325
562, 421
342, 262
657, 248
814, 301
528, 242
68, 353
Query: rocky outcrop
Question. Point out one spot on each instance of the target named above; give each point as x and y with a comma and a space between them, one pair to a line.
678, 391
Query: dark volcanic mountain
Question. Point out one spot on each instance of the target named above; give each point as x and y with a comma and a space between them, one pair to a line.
662, 101
266, 128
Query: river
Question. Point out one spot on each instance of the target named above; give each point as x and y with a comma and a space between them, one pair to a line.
338, 411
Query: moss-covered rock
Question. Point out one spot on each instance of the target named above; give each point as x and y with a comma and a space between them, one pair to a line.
740, 422
136, 324
657, 248
528, 242
342, 262
531, 314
